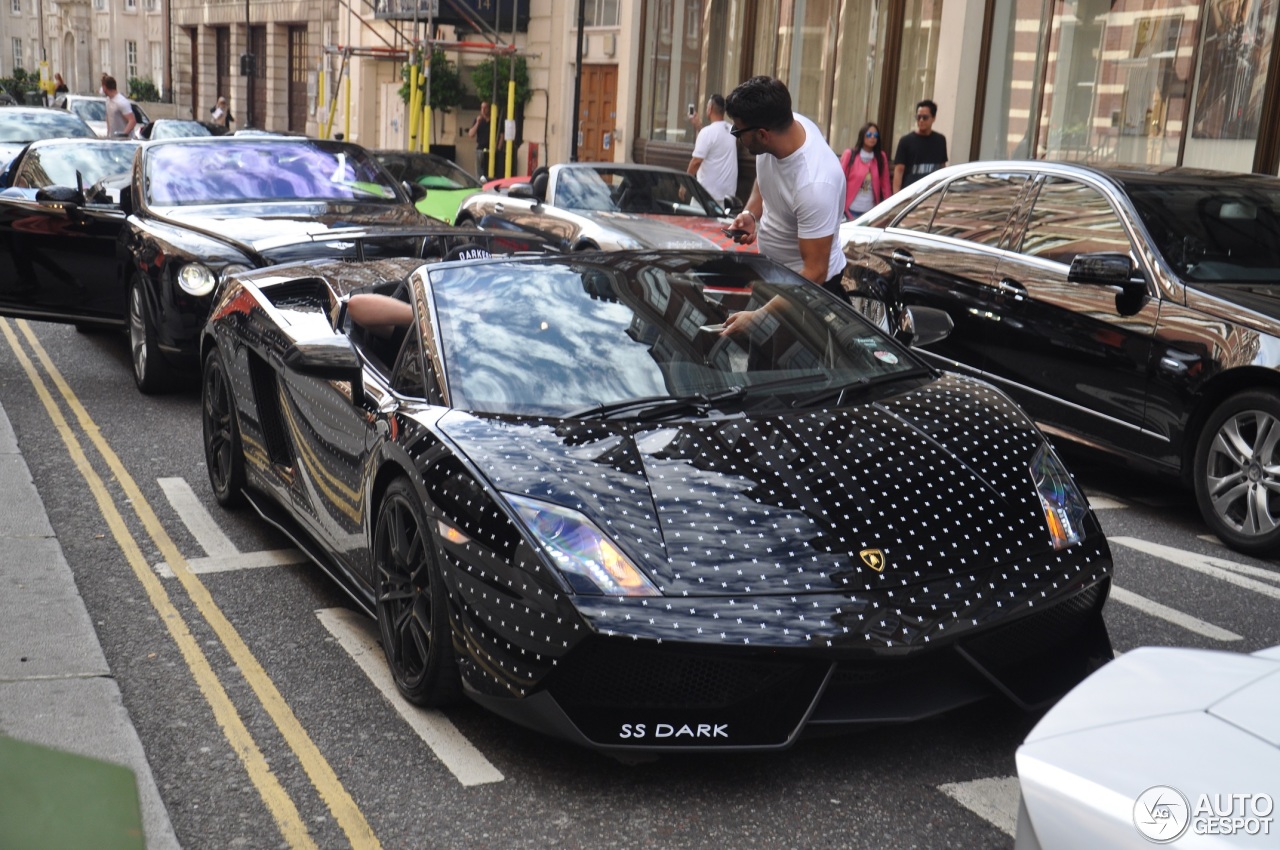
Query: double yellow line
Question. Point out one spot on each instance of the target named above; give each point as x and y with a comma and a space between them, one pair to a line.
292, 827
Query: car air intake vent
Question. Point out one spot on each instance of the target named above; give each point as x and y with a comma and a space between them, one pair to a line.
603, 673
266, 397
1035, 633
309, 296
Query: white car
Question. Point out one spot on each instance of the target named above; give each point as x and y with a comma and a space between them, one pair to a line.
92, 108
1160, 746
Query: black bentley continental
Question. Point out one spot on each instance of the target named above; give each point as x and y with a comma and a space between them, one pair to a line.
144, 251
652, 500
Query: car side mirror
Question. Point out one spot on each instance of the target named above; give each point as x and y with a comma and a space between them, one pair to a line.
416, 191
732, 205
331, 358
523, 191
126, 200
1107, 269
65, 198
923, 325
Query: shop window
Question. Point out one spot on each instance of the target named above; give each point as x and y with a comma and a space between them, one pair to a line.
859, 72
918, 68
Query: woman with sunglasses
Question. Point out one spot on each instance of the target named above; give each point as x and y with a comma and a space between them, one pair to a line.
866, 173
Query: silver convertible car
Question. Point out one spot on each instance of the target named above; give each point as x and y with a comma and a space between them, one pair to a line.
585, 206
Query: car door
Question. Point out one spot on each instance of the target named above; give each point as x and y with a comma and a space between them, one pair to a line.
943, 253
1074, 355
58, 260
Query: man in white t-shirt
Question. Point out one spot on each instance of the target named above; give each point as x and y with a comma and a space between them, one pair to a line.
797, 203
715, 153
120, 118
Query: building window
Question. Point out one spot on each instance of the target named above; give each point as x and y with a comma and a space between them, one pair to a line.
601, 13
100, 5
151, 5
16, 6
130, 60
157, 65
104, 55
131, 5
17, 53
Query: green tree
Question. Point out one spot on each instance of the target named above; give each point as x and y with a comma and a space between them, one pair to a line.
141, 88
482, 76
446, 84
20, 83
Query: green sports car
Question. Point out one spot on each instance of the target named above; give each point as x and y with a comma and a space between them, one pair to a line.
445, 182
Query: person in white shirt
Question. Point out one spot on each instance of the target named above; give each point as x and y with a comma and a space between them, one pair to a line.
120, 118
715, 153
797, 203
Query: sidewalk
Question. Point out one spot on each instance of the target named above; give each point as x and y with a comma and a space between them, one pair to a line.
55, 686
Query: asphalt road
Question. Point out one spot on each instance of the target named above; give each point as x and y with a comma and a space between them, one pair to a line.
245, 675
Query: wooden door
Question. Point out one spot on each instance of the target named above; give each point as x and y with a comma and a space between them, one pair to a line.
298, 79
258, 97
598, 113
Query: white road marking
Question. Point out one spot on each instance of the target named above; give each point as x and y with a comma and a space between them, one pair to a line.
196, 518
222, 552
1219, 568
1172, 615
357, 634
1099, 502
995, 800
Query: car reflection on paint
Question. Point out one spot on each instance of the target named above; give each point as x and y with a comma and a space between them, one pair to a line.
21, 125
567, 492
610, 206
1130, 310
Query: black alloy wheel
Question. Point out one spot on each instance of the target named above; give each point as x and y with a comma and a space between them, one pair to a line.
223, 451
150, 371
1237, 472
410, 603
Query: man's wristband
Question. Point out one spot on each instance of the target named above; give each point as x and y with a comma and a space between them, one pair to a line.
753, 216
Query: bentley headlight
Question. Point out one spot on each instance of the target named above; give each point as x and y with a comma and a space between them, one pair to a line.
196, 279
1064, 505
232, 269
588, 559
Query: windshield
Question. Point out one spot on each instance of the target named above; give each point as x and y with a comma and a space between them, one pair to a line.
90, 110
255, 169
1223, 230
22, 125
56, 165
553, 337
177, 130
633, 190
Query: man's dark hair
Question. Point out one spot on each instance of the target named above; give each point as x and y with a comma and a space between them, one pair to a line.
929, 105
108, 82
717, 102
761, 102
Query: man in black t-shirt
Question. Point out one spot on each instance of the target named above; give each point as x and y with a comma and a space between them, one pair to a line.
920, 152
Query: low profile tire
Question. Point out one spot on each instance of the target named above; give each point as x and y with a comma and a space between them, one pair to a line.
223, 451
413, 614
1237, 472
150, 371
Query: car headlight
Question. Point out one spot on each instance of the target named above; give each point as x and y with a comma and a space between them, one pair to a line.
233, 268
1065, 507
589, 560
196, 279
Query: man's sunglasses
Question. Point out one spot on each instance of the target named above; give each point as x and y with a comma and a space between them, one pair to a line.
738, 132
925, 117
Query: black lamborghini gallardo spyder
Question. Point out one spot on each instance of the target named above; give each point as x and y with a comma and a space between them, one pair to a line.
648, 500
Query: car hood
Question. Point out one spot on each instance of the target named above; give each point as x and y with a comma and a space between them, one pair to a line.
258, 227
711, 229
1261, 298
655, 231
936, 478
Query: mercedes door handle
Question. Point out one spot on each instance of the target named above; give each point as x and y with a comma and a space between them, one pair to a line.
1012, 288
499, 208
902, 258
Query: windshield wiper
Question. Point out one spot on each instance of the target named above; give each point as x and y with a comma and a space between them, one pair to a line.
857, 384
658, 405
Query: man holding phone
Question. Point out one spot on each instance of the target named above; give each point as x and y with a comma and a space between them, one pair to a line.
715, 153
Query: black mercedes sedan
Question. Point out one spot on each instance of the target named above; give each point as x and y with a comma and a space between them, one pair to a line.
1130, 310
146, 250
652, 500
